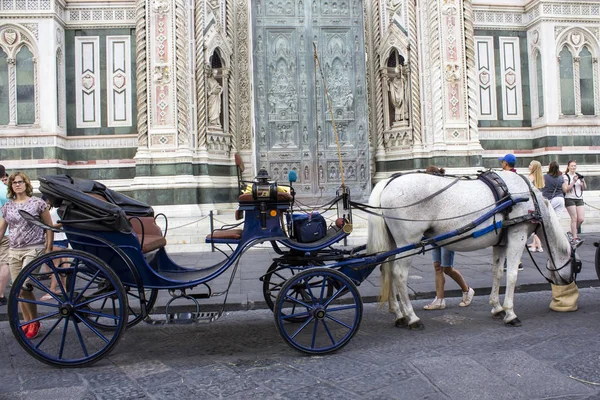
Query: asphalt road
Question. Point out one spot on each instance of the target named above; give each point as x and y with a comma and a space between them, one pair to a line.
463, 353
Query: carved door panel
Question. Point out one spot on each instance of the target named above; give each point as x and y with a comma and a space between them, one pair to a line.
293, 122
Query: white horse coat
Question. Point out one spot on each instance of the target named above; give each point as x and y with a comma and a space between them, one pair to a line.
452, 208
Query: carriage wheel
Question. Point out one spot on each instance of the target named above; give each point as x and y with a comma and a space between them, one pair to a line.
67, 338
134, 306
277, 275
330, 321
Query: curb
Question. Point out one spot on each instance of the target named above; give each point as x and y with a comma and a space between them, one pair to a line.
481, 291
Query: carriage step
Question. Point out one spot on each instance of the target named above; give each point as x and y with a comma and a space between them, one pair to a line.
193, 318
184, 318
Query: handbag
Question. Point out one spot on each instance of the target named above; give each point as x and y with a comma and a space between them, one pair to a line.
309, 227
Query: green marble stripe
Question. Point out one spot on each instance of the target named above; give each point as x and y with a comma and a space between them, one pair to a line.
423, 163
58, 153
546, 141
163, 197
185, 169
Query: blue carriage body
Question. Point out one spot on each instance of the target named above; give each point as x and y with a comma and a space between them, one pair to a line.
98, 221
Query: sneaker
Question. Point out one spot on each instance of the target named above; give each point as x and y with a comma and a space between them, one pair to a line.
540, 250
3, 301
436, 304
34, 330
520, 266
25, 328
467, 298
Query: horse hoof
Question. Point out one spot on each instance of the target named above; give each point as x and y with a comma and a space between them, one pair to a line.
499, 314
401, 322
514, 322
416, 326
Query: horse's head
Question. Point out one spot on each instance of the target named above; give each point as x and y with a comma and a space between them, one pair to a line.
563, 264
563, 270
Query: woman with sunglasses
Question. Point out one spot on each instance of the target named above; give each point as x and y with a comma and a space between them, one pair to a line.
26, 241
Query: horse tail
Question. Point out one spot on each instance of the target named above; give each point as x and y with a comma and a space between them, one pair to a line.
380, 239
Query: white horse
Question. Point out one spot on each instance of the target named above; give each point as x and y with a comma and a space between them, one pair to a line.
447, 206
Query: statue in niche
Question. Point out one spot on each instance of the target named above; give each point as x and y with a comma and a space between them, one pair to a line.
319, 134
259, 45
305, 135
306, 173
350, 173
362, 172
332, 172
397, 89
214, 90
263, 136
361, 133
321, 173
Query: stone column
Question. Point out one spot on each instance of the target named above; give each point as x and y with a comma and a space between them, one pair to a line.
162, 129
12, 91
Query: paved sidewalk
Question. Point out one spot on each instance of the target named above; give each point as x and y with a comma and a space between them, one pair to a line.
246, 290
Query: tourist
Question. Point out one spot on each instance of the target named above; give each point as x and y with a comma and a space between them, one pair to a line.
443, 262
573, 187
537, 179
553, 181
26, 241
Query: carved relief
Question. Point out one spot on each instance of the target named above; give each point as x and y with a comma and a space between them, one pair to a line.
293, 119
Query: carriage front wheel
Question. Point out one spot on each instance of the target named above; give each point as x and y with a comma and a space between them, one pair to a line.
67, 338
330, 319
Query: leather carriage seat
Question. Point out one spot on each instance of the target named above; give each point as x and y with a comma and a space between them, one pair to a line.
225, 234
150, 236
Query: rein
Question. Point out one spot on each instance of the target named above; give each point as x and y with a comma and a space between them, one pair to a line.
572, 260
366, 208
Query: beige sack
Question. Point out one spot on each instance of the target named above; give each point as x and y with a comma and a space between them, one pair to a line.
564, 298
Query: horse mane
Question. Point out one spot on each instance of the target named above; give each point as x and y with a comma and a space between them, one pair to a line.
553, 226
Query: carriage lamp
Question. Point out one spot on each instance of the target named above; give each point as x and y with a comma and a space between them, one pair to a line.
262, 188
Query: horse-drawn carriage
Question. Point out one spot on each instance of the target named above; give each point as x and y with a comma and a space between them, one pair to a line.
110, 279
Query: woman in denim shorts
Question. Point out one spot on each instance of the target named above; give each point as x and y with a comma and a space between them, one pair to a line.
26, 241
443, 262
573, 186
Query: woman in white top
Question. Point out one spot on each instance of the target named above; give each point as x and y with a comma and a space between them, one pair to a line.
573, 187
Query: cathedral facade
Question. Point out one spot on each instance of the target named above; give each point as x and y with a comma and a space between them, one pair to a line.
156, 97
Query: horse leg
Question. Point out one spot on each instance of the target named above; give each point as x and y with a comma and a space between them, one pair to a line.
515, 251
395, 308
390, 291
498, 258
400, 278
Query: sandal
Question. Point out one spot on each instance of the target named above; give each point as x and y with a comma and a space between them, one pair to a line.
47, 296
436, 304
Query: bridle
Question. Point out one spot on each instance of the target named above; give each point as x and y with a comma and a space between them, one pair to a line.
573, 261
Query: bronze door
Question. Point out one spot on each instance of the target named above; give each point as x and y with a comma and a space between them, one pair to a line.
293, 123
